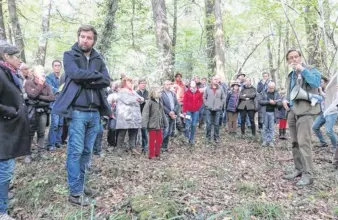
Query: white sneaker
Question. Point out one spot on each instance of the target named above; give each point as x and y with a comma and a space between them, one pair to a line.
5, 217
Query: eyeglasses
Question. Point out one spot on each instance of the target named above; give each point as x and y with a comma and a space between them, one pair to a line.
17, 55
294, 57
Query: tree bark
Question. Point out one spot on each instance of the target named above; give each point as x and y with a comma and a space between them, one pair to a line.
42, 49
271, 69
219, 40
209, 28
108, 30
164, 64
18, 37
2, 24
174, 38
312, 34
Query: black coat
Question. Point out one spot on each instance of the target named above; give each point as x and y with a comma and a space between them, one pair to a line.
145, 95
81, 75
14, 123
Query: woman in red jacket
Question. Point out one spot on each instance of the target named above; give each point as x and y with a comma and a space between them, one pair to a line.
192, 103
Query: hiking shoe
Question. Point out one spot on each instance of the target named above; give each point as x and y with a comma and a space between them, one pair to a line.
217, 141
264, 144
5, 217
271, 144
292, 175
58, 145
52, 149
304, 181
79, 200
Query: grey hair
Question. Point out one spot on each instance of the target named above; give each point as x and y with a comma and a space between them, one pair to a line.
6, 48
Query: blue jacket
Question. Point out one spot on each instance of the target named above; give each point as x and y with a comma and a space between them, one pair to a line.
82, 76
53, 81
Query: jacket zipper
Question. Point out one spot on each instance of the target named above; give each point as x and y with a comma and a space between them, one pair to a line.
91, 91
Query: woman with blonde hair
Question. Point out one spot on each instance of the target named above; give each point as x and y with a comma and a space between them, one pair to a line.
154, 120
128, 114
39, 96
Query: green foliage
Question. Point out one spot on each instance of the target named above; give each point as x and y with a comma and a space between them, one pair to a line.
260, 210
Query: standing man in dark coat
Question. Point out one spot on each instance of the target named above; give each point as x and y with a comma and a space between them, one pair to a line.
143, 92
171, 109
14, 123
82, 101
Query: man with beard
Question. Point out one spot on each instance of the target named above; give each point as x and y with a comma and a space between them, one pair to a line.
82, 101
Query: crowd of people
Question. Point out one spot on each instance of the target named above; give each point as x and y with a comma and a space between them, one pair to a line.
79, 104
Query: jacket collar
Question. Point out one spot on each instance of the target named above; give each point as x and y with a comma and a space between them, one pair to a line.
93, 53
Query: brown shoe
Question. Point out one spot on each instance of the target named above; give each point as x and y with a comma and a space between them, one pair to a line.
293, 175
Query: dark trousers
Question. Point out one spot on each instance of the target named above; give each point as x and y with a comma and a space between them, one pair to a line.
251, 114
64, 131
132, 135
144, 139
167, 132
212, 119
38, 125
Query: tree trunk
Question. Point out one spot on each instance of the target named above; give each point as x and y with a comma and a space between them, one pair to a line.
42, 50
219, 40
271, 69
108, 30
174, 34
18, 37
2, 24
325, 15
209, 28
132, 24
312, 34
10, 35
163, 40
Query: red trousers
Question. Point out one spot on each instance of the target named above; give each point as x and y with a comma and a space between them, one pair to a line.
282, 123
155, 142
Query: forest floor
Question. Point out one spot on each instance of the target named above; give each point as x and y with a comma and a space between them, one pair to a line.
238, 179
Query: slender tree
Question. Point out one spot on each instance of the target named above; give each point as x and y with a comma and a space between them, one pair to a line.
18, 37
164, 64
209, 29
42, 49
312, 35
104, 43
174, 37
2, 24
219, 40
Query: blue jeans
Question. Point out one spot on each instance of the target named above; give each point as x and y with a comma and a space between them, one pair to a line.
144, 133
98, 141
190, 126
167, 132
212, 119
329, 122
55, 130
268, 127
6, 174
83, 128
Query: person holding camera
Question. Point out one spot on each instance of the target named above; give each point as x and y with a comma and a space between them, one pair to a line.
301, 115
39, 97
